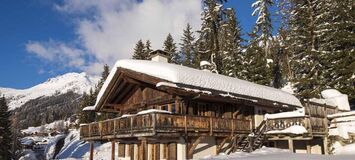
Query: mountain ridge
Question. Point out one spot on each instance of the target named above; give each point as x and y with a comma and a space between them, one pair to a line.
61, 84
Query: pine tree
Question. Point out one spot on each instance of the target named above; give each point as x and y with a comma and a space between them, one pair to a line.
336, 40
5, 131
85, 116
148, 49
258, 57
263, 26
187, 47
208, 42
321, 39
101, 82
303, 44
281, 44
93, 96
231, 49
277, 76
140, 52
258, 70
89, 99
16, 137
169, 46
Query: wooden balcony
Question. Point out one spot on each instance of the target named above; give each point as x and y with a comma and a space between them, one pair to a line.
162, 124
314, 126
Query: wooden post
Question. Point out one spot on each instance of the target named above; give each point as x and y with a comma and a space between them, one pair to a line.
89, 130
91, 150
143, 150
290, 145
187, 147
170, 107
185, 121
154, 122
211, 126
122, 150
325, 145
177, 106
309, 146
113, 144
220, 146
193, 146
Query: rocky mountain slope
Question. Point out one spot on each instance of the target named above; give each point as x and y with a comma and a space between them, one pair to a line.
76, 82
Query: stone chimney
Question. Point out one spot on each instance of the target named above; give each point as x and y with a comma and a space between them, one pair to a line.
159, 56
205, 66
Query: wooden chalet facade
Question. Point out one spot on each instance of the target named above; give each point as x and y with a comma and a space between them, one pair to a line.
161, 119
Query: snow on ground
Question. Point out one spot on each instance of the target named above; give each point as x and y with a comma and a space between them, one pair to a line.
50, 148
76, 82
181, 75
28, 155
344, 150
47, 127
102, 152
74, 148
277, 154
48, 143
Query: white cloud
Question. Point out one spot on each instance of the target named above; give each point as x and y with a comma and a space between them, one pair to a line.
57, 52
107, 30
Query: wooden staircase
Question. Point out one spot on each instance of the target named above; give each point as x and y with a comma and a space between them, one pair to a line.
254, 140
244, 143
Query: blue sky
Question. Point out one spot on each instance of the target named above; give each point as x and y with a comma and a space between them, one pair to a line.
33, 28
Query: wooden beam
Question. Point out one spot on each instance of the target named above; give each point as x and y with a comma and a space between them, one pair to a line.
110, 88
233, 144
290, 145
308, 143
119, 84
193, 146
123, 93
170, 107
91, 150
134, 81
325, 145
113, 105
113, 145
220, 146
177, 105
130, 92
140, 76
122, 150
143, 150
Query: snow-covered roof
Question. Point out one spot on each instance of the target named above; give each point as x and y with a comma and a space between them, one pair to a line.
185, 76
89, 108
342, 114
333, 97
342, 124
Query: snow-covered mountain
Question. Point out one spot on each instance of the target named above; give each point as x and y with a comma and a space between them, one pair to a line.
76, 82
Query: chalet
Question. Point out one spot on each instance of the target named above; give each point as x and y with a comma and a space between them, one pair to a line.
169, 111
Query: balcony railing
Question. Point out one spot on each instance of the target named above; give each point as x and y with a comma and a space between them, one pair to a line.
152, 124
311, 124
